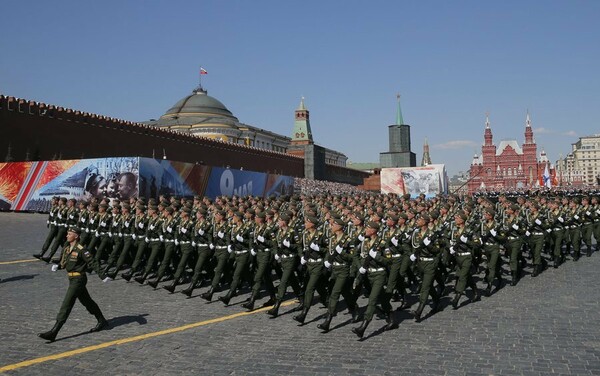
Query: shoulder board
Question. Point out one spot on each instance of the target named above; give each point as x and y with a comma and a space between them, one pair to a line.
79, 246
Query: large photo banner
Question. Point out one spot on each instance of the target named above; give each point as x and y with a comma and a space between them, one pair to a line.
163, 177
428, 180
279, 185
228, 182
31, 185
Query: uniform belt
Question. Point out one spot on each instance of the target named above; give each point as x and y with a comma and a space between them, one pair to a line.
426, 259
537, 233
154, 240
184, 242
241, 252
201, 245
587, 223
512, 238
168, 240
265, 250
286, 256
315, 260
335, 263
396, 255
73, 274
574, 226
221, 247
102, 233
463, 254
128, 235
557, 229
374, 270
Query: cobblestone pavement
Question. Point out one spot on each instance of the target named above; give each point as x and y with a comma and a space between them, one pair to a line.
544, 325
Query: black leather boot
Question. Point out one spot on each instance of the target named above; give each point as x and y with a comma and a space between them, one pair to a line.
140, 279
250, 304
536, 271
456, 300
275, 310
102, 324
360, 331
514, 278
589, 252
576, 256
269, 302
355, 315
188, 291
208, 295
302, 316
154, 284
127, 276
391, 321
38, 255
476, 295
324, 326
556, 262
46, 259
52, 333
419, 312
488, 289
225, 299
171, 288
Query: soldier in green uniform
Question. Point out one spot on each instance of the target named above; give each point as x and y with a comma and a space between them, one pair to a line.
514, 230
462, 243
239, 247
426, 255
574, 222
138, 235
374, 266
152, 239
587, 225
102, 232
339, 259
287, 255
75, 260
264, 241
203, 243
185, 232
126, 231
556, 221
536, 233
167, 238
61, 226
221, 243
82, 222
491, 238
52, 228
313, 240
596, 226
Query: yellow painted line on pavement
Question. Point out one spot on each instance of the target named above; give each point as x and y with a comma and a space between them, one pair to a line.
17, 261
122, 341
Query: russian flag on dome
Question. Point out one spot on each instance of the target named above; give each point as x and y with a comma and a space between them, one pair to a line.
546, 177
203, 71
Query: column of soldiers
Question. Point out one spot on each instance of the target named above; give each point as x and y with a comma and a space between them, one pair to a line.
337, 246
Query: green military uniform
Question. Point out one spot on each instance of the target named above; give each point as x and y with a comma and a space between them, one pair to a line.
202, 242
221, 242
239, 247
463, 241
52, 231
491, 238
185, 233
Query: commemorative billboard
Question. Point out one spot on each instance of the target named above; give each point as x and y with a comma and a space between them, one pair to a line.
429, 180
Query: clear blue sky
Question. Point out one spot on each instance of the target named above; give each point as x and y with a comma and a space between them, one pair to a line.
452, 61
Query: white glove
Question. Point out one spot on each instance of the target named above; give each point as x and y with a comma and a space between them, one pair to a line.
395, 241
107, 279
560, 219
170, 229
277, 257
92, 221
452, 251
302, 260
82, 219
239, 238
527, 233
229, 248
252, 252
261, 238
120, 235
97, 234
463, 239
110, 234
140, 225
362, 270
314, 247
327, 264
372, 253
211, 246
151, 227
426, 241
193, 243
538, 222
515, 226
220, 234
493, 232
588, 213
576, 216
146, 240
549, 230
406, 235
183, 230
103, 224
51, 214
361, 238
201, 232
598, 212
339, 249
413, 258
176, 242
54, 267
286, 243
133, 236
161, 238
126, 224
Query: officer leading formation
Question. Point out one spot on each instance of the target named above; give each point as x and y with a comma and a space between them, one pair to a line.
335, 246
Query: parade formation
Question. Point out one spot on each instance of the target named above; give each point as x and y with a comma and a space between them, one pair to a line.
339, 245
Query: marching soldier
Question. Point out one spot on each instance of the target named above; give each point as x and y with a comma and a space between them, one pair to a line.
221, 241
185, 232
138, 235
491, 238
126, 233
239, 247
462, 242
203, 243
152, 239
514, 230
167, 238
536, 233
52, 228
61, 226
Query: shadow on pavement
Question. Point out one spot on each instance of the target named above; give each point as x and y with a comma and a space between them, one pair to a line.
18, 278
113, 323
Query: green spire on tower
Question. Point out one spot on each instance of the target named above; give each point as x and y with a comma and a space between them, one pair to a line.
399, 119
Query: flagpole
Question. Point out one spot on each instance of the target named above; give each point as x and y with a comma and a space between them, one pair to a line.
200, 77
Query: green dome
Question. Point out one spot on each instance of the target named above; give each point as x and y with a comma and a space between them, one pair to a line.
199, 102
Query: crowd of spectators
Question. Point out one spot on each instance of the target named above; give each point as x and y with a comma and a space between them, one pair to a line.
310, 186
